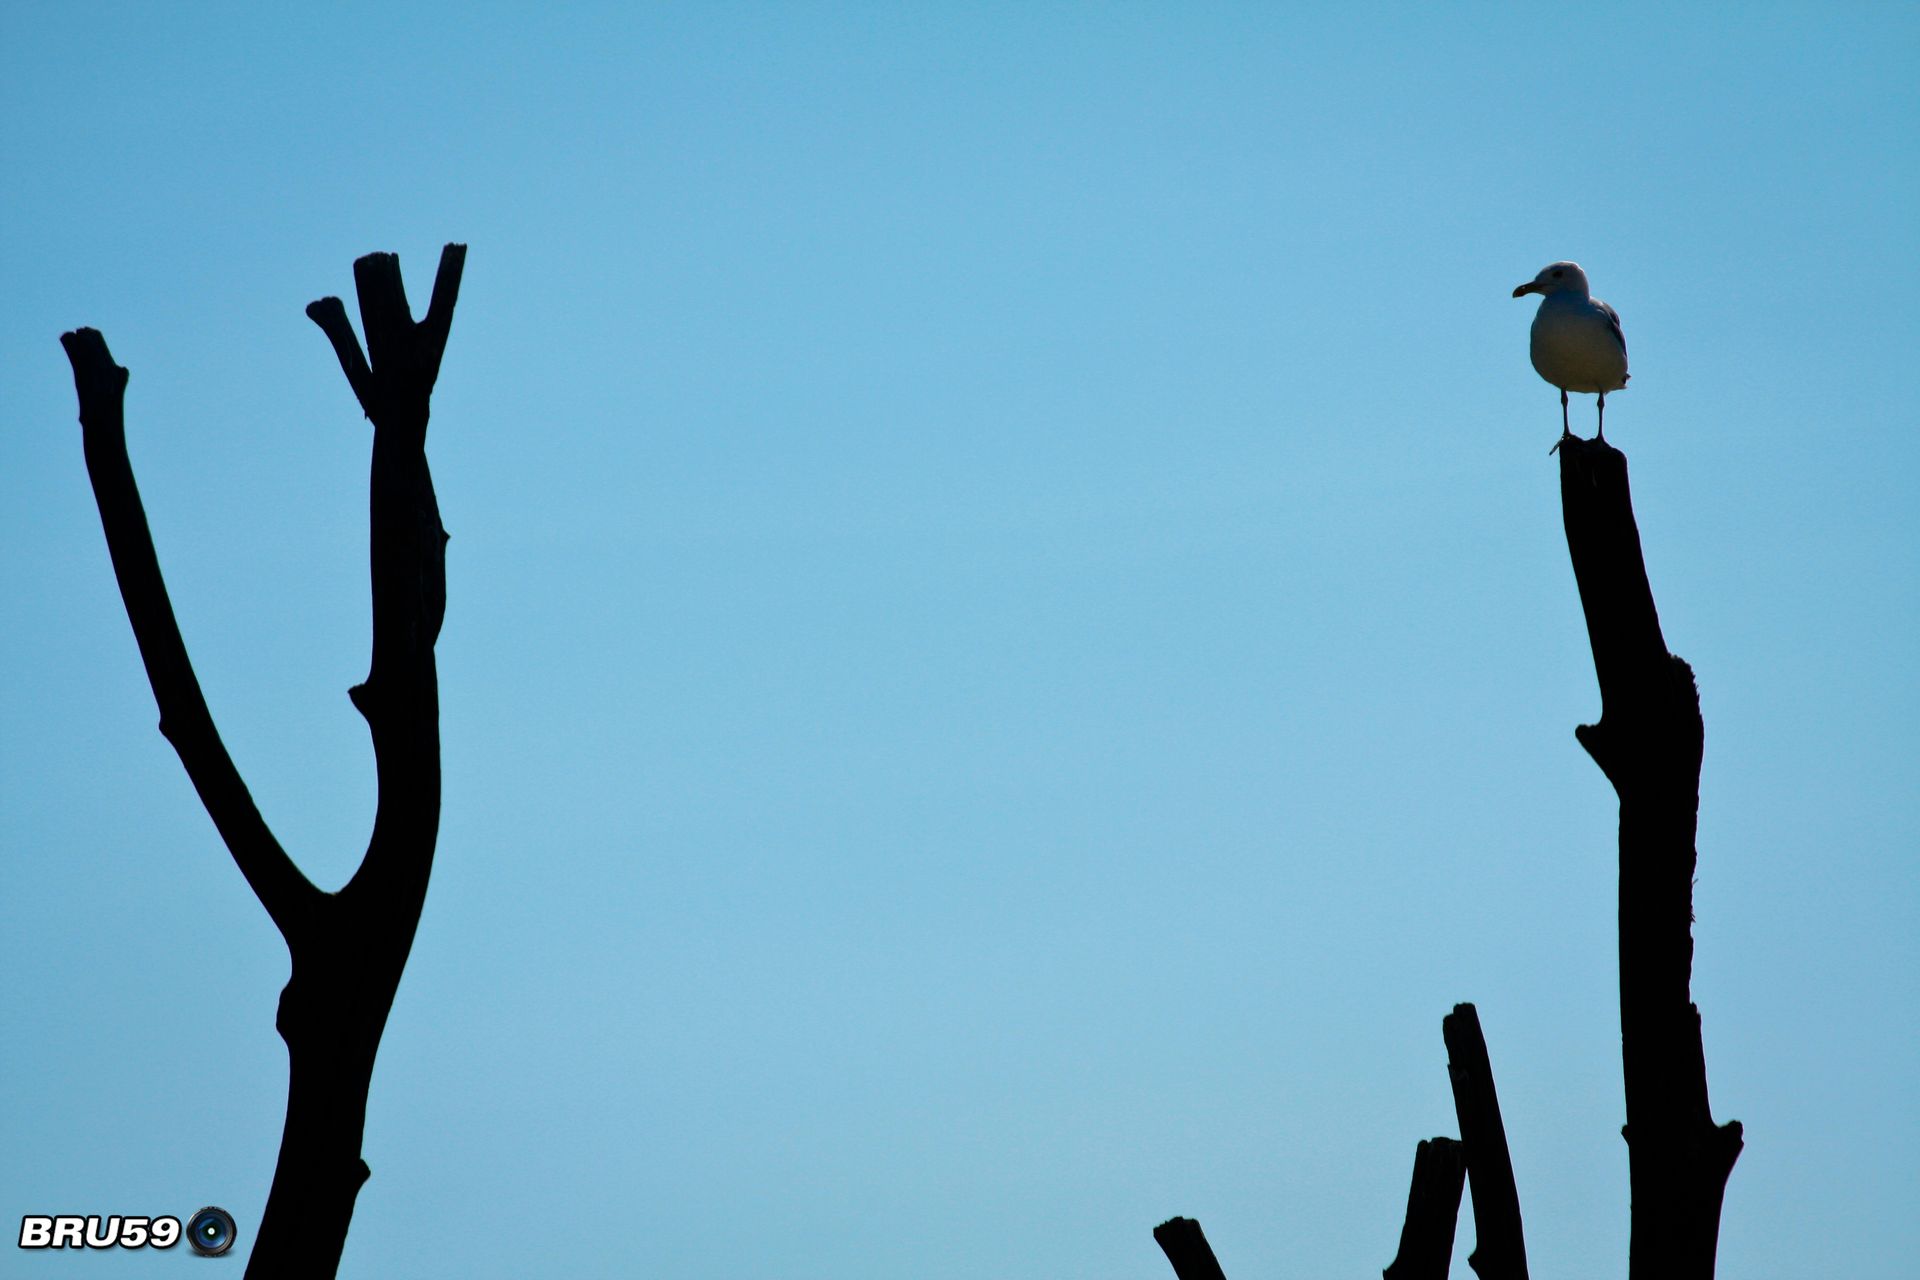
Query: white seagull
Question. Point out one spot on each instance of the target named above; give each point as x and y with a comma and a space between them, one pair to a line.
1577, 343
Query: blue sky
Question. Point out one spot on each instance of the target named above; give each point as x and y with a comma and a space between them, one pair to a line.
1010, 648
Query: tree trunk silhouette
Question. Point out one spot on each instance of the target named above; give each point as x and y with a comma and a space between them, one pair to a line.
1433, 1211
1499, 1248
347, 948
1648, 742
1187, 1249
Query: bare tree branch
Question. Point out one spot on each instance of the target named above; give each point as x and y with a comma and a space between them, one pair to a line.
1649, 742
289, 897
1500, 1249
348, 949
1433, 1210
331, 315
1187, 1249
446, 291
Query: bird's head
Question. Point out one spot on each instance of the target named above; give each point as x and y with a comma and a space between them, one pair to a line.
1556, 277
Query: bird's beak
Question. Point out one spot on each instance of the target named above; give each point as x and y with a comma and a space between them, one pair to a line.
1531, 286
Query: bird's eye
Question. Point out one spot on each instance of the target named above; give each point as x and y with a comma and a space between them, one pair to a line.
1558, 274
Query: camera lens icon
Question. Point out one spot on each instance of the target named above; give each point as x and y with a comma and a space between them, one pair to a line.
211, 1232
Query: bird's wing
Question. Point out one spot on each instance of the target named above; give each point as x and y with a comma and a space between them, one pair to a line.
1613, 323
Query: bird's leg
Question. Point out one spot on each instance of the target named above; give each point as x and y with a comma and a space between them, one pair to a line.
1601, 434
1565, 430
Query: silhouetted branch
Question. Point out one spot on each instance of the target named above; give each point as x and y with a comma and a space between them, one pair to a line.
1187, 1249
1500, 1250
1648, 742
288, 896
348, 949
392, 380
331, 315
446, 291
1433, 1209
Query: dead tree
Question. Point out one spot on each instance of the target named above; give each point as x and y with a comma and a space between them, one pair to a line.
347, 948
1648, 742
1440, 1167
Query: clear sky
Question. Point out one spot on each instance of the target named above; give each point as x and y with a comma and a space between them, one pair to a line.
1010, 648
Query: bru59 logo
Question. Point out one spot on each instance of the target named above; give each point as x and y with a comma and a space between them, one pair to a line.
209, 1233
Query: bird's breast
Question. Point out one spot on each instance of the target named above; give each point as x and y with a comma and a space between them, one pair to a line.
1575, 349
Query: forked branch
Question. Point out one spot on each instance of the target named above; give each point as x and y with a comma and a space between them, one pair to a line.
348, 949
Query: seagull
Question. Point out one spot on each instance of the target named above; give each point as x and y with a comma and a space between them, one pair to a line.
1577, 343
